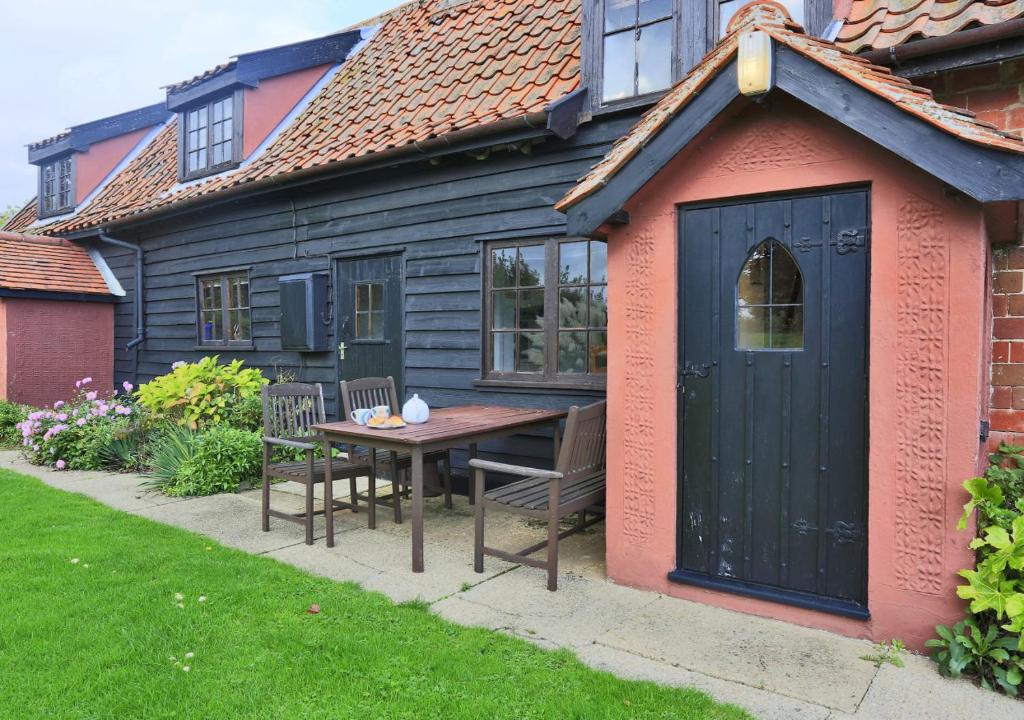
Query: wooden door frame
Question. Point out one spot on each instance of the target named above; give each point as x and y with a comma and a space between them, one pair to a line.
336, 260
743, 587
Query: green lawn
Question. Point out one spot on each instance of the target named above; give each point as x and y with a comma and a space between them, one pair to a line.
104, 637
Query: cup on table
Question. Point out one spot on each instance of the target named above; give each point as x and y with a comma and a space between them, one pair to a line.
361, 416
382, 411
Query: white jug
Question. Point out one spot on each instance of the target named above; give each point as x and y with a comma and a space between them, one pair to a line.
415, 411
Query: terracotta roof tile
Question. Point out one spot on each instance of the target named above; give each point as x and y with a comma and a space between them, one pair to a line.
22, 219
773, 19
876, 24
34, 262
431, 68
201, 77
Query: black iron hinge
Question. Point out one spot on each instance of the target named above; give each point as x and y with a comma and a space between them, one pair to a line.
984, 430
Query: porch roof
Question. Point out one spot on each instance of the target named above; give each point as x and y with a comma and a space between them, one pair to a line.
974, 156
53, 265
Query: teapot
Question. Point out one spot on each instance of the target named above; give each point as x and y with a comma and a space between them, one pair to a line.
415, 411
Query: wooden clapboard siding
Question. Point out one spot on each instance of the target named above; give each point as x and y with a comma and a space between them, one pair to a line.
436, 216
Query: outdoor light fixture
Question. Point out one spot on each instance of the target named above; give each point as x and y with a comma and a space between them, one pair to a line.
754, 68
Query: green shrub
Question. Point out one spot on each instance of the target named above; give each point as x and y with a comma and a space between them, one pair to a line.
989, 644
11, 415
216, 459
201, 393
246, 414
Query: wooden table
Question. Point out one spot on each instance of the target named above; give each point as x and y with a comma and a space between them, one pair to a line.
447, 427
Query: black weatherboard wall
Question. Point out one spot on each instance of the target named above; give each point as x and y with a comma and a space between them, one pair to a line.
436, 216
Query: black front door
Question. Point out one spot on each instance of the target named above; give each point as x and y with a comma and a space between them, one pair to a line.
370, 319
773, 399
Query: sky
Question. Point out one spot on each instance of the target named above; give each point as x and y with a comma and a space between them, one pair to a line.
66, 62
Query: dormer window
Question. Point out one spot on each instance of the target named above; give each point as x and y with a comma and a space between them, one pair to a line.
56, 187
637, 48
210, 137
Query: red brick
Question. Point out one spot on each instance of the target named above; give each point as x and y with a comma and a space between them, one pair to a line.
1009, 281
974, 78
1014, 118
954, 99
1008, 375
1018, 398
996, 117
1001, 305
998, 98
1000, 259
1000, 352
1008, 328
997, 437
1002, 397
1015, 304
1015, 258
1016, 352
1007, 420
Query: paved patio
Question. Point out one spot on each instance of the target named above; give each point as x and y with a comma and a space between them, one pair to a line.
775, 670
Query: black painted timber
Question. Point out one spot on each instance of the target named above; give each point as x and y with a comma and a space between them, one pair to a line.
436, 215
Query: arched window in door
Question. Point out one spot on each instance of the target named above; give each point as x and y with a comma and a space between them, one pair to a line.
770, 300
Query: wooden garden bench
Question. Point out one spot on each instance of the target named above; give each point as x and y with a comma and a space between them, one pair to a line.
576, 485
290, 410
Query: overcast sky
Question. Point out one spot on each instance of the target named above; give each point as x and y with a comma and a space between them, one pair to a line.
65, 62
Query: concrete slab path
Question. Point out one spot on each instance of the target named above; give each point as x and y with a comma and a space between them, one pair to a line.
775, 670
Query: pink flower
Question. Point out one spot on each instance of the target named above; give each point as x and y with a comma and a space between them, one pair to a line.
91, 395
78, 383
58, 404
61, 465
80, 422
62, 417
176, 365
86, 381
128, 387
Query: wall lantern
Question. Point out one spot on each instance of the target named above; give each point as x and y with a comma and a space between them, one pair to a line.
754, 68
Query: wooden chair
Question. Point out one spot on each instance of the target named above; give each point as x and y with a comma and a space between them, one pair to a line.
577, 484
289, 412
368, 393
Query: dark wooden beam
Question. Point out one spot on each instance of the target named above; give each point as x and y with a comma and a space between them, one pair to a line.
1008, 49
591, 212
983, 173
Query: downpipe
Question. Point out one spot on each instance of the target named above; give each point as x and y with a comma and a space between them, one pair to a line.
140, 322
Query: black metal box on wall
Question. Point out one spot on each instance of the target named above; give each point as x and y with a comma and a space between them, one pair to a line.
304, 312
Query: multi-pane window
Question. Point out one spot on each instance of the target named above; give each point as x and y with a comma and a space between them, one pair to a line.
770, 300
546, 311
208, 137
56, 186
369, 305
637, 37
224, 312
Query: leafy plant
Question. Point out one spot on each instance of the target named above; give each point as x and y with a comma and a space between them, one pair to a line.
990, 643
986, 653
890, 652
11, 415
212, 460
201, 393
169, 452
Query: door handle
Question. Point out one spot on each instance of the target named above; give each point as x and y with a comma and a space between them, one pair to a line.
341, 351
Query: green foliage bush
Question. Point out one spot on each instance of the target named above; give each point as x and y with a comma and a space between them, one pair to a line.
989, 644
202, 393
215, 459
11, 415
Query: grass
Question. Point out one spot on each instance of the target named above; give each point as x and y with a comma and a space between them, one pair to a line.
104, 637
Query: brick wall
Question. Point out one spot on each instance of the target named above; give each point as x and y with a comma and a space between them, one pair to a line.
992, 92
51, 343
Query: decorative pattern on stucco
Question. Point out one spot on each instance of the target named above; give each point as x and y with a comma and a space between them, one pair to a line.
921, 396
639, 394
772, 146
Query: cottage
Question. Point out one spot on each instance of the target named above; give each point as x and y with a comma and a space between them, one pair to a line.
778, 266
